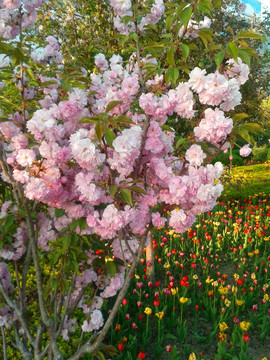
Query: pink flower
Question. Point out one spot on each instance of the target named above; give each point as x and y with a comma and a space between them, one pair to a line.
195, 155
25, 157
95, 323
101, 62
12, 4
214, 127
245, 150
157, 220
239, 70
197, 79
180, 221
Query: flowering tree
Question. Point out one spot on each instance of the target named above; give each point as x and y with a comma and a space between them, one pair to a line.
89, 165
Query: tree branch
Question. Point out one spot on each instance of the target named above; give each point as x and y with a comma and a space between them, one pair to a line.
4, 343
15, 307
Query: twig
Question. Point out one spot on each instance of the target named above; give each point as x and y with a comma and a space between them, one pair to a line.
4, 343
15, 307
26, 354
66, 305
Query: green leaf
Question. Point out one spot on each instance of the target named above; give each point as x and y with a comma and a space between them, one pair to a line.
74, 238
185, 50
99, 355
109, 350
59, 212
113, 190
112, 105
30, 73
180, 142
126, 196
98, 131
249, 35
137, 189
170, 57
185, 15
88, 120
252, 128
18, 55
166, 127
232, 50
133, 36
170, 336
9, 223
244, 56
66, 241
239, 116
205, 6
172, 74
123, 39
109, 137
74, 224
111, 268
48, 83
219, 58
123, 119
203, 38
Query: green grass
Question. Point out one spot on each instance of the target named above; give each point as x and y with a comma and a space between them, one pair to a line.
247, 181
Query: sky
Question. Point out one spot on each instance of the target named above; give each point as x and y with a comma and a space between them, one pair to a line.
256, 6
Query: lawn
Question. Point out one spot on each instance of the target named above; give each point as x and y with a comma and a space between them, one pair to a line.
247, 180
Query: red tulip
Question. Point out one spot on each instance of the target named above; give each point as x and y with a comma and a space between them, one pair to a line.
120, 346
141, 355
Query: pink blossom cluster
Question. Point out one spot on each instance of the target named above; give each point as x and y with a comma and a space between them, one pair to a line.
17, 248
6, 314
77, 189
91, 306
214, 127
5, 278
193, 27
238, 70
126, 150
49, 53
68, 326
14, 12
95, 323
179, 100
215, 89
123, 8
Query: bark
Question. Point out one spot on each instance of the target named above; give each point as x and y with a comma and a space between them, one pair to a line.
150, 257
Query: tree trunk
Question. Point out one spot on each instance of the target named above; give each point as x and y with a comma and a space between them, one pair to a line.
150, 257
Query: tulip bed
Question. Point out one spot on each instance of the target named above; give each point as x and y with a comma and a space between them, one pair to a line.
210, 296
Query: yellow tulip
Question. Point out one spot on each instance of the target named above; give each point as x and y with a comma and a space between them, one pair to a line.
244, 325
223, 326
160, 315
148, 311
183, 300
